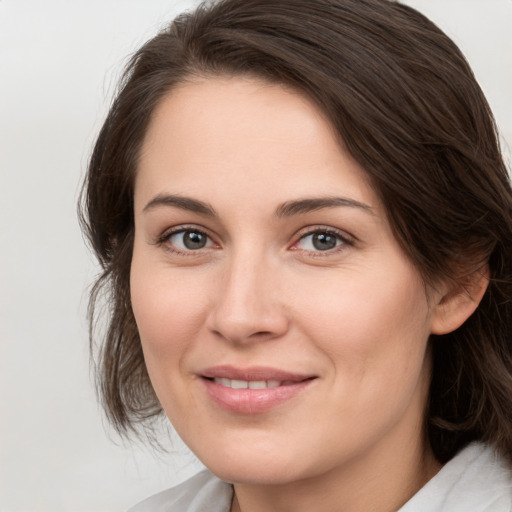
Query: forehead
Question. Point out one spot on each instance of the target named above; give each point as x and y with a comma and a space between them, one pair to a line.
213, 136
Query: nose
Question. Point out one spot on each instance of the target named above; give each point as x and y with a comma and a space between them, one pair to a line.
248, 303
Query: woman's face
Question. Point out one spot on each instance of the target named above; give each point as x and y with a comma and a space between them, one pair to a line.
283, 328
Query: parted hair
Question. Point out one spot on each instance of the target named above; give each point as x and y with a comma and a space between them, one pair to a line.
404, 102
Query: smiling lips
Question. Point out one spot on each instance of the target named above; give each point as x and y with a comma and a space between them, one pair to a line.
253, 390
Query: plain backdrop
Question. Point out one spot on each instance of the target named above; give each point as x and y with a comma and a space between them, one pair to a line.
59, 62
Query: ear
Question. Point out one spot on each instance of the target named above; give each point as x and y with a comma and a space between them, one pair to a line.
457, 301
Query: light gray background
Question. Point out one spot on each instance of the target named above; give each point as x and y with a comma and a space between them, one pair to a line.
59, 61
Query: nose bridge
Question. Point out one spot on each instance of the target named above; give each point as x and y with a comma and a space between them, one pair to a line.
246, 304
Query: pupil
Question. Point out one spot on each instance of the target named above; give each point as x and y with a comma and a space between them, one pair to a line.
324, 241
194, 240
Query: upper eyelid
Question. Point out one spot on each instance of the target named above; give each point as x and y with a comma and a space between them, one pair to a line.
311, 230
179, 229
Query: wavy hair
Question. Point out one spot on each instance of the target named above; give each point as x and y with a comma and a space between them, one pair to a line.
406, 105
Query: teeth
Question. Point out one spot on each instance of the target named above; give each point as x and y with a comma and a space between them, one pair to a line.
245, 384
239, 384
257, 384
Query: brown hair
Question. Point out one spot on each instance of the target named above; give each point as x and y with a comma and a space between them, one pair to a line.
406, 105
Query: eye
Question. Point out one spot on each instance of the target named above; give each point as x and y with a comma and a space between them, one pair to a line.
188, 240
321, 240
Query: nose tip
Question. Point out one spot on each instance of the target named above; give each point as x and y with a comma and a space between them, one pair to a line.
239, 320
248, 306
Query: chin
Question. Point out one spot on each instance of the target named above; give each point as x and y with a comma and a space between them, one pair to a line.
258, 466
269, 473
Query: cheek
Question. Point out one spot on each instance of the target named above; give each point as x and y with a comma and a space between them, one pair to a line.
374, 335
371, 326
169, 311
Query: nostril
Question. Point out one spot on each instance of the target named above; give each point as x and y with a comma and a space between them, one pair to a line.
238, 323
261, 333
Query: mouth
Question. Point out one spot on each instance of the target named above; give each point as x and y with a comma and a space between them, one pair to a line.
252, 390
247, 384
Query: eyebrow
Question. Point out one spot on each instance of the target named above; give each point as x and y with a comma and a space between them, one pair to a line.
185, 203
287, 209
307, 205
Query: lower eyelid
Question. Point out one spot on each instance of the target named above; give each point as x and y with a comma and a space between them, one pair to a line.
164, 240
342, 240
339, 243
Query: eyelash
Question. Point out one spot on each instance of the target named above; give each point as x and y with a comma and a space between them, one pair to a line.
165, 238
341, 237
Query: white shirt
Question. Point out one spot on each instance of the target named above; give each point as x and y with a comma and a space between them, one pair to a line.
475, 480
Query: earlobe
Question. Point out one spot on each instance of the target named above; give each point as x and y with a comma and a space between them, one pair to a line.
459, 301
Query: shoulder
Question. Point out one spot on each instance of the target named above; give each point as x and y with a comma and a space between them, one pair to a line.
202, 492
475, 480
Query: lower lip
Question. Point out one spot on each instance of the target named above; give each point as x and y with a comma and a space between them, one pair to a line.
253, 401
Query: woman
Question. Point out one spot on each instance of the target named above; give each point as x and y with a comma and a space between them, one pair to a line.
305, 227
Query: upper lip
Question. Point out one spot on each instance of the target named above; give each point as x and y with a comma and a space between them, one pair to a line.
253, 373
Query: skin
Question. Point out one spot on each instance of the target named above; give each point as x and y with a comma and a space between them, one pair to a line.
357, 316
